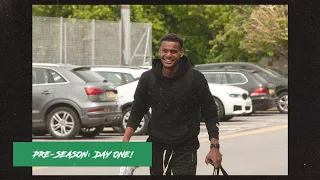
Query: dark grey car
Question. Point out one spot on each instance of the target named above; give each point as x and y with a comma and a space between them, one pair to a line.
261, 92
71, 100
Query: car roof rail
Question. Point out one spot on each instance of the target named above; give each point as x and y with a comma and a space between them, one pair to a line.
45, 64
228, 69
219, 63
52, 64
116, 66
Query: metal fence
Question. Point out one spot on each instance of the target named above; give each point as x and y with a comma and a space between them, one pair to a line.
88, 42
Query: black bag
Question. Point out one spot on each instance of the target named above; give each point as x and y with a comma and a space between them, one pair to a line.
216, 171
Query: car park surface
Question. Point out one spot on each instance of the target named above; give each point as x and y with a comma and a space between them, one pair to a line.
255, 132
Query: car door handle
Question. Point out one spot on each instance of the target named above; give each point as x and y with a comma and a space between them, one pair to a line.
46, 92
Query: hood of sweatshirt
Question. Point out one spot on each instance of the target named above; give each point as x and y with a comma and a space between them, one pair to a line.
184, 66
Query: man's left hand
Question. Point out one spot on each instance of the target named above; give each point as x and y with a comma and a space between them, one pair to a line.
215, 156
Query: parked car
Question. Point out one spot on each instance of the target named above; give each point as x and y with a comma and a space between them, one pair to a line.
122, 77
231, 101
69, 100
119, 75
261, 92
125, 94
279, 79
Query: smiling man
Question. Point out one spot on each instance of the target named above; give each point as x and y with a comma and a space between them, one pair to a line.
178, 95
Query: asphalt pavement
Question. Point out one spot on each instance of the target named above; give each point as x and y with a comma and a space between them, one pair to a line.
251, 145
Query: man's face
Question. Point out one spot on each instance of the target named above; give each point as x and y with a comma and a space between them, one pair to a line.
170, 54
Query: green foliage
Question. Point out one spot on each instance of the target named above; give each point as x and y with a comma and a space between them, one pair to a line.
227, 28
267, 31
189, 21
98, 12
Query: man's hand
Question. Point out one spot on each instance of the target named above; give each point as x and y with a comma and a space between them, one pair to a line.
127, 134
214, 157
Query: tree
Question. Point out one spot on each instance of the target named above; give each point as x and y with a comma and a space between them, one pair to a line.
228, 31
98, 12
212, 33
189, 21
267, 31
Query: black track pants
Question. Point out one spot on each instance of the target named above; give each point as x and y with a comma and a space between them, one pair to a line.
181, 162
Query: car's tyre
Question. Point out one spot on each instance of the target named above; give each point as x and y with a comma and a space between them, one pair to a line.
63, 123
142, 128
220, 108
117, 129
39, 133
91, 132
249, 114
282, 103
226, 118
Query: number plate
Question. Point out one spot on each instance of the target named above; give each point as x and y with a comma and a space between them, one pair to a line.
271, 91
110, 94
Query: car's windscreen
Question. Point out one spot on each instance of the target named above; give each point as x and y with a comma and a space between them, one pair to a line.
89, 76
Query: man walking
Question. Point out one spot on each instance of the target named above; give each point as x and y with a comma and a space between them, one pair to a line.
178, 95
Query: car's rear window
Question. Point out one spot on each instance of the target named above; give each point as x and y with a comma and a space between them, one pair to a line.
260, 78
88, 76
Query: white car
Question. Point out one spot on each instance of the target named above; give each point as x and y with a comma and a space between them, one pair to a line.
231, 100
119, 75
125, 99
126, 80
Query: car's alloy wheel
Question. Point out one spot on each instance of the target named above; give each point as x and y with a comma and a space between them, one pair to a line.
141, 129
283, 102
63, 123
91, 132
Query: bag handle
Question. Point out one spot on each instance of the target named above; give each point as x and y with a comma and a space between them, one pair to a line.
216, 171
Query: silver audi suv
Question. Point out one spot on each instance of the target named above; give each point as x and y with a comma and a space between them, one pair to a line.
69, 100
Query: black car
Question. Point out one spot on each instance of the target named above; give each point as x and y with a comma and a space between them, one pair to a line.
279, 79
262, 93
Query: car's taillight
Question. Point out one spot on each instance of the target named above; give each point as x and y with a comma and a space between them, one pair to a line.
94, 91
259, 92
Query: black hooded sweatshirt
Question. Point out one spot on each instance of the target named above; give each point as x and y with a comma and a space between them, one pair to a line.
176, 103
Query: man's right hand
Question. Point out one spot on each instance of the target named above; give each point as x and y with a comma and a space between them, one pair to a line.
127, 134
125, 139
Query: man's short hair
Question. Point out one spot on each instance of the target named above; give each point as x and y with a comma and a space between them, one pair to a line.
172, 38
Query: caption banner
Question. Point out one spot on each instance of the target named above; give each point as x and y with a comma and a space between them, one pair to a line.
82, 154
